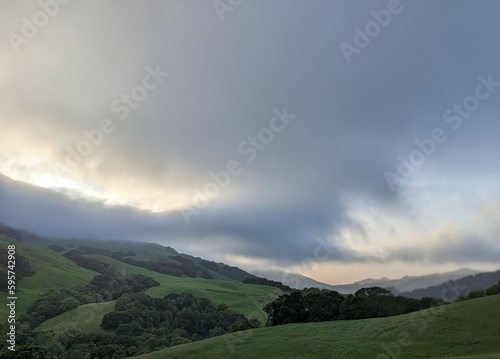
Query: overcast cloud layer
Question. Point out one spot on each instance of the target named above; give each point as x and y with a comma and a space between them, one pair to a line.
352, 119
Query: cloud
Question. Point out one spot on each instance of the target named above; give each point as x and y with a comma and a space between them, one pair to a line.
469, 249
352, 123
279, 233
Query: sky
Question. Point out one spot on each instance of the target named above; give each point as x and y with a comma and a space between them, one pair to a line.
341, 139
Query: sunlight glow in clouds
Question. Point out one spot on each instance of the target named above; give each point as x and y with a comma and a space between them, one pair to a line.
42, 175
322, 177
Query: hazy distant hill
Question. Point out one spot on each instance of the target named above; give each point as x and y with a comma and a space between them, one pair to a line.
451, 290
9, 231
294, 280
408, 283
404, 284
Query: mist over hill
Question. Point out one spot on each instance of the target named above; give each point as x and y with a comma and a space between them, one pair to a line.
404, 284
454, 289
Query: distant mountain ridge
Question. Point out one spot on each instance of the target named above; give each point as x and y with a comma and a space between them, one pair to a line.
294, 280
451, 290
411, 286
409, 283
404, 284
371, 281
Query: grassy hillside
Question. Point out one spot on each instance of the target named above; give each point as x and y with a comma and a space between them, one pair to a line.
143, 250
86, 318
243, 298
469, 329
52, 270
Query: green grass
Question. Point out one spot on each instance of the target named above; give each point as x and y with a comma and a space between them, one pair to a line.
469, 329
486, 356
86, 318
243, 298
247, 299
52, 271
465, 330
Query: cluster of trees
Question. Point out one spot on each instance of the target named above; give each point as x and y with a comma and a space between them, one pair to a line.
72, 344
225, 270
176, 265
76, 255
139, 324
57, 248
106, 252
102, 288
324, 305
268, 282
174, 318
22, 268
493, 290
182, 266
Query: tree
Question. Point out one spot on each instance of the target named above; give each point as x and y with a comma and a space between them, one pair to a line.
476, 294
494, 289
371, 291
322, 306
57, 248
112, 320
68, 303
354, 307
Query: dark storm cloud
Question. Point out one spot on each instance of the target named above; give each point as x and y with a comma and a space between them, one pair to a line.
353, 120
275, 233
466, 249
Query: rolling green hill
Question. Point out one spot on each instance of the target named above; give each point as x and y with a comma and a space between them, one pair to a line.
136, 252
86, 318
467, 329
52, 271
247, 299
243, 298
